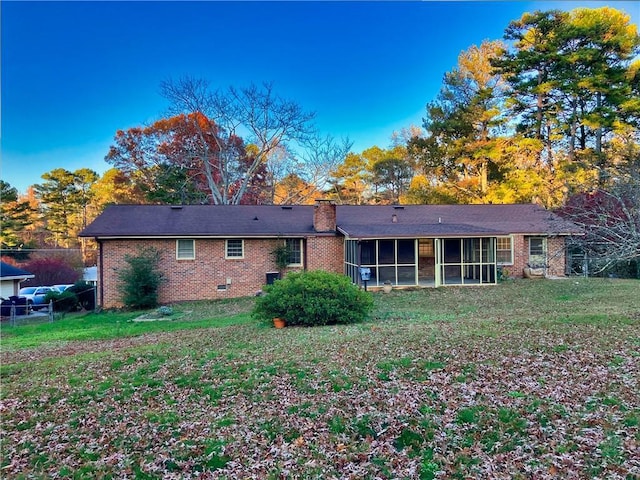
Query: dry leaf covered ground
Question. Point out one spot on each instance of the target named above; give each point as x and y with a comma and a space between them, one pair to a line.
527, 379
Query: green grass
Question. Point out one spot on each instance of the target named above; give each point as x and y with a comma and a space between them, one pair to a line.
112, 325
442, 383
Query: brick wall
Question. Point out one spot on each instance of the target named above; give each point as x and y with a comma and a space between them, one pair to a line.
555, 256
324, 216
200, 279
325, 253
556, 253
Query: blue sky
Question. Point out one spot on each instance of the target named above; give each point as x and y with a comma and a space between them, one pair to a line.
75, 72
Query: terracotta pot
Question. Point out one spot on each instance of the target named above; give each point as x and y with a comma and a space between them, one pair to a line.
279, 323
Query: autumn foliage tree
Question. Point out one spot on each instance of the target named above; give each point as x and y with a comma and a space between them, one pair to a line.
461, 145
225, 122
174, 160
611, 223
571, 79
549, 114
52, 270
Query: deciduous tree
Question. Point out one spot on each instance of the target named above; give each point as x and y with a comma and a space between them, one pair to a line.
238, 117
611, 223
166, 160
350, 180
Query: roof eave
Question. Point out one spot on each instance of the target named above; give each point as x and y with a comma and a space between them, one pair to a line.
18, 277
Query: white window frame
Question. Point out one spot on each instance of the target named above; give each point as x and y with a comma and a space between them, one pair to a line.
183, 256
299, 240
226, 249
498, 250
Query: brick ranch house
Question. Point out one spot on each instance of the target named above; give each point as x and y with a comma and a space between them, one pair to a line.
212, 252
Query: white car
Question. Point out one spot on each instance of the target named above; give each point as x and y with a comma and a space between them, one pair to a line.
62, 288
36, 296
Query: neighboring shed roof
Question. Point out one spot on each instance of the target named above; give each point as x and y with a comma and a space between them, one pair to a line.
9, 272
362, 221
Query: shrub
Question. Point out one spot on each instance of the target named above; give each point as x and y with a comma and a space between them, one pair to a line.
314, 298
86, 294
140, 279
63, 301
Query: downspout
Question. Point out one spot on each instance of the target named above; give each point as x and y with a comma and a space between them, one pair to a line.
359, 253
101, 272
305, 255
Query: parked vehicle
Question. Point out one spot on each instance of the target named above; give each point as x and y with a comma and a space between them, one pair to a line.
62, 288
36, 296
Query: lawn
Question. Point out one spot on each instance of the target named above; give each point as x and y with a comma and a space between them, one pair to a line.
527, 379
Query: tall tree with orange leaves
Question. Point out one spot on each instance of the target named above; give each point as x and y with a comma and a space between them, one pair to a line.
235, 119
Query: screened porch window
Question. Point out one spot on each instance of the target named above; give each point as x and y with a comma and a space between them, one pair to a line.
423, 261
468, 261
392, 260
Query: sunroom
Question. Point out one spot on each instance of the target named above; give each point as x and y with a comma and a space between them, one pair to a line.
422, 261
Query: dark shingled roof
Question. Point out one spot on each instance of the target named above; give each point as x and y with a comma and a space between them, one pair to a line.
362, 221
450, 220
201, 220
8, 272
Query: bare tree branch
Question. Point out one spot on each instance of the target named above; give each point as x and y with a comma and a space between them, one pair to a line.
247, 116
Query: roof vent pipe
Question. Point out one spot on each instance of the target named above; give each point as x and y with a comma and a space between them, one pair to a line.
439, 219
394, 218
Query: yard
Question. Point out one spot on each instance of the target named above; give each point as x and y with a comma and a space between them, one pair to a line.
527, 379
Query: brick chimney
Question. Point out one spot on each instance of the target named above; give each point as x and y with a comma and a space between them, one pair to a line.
324, 216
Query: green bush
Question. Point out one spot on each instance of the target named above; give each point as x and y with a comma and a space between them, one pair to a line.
314, 298
86, 294
63, 301
140, 279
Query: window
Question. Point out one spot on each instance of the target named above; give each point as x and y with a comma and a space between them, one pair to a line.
234, 248
536, 247
425, 247
295, 250
537, 252
504, 250
185, 249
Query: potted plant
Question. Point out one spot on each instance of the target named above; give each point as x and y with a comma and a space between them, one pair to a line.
387, 286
